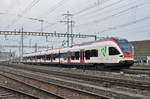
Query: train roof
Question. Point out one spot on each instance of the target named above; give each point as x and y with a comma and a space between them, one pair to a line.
102, 39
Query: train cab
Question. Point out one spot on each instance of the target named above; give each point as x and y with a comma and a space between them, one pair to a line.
126, 50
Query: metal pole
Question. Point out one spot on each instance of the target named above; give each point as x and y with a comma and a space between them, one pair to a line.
68, 28
30, 43
22, 44
19, 52
41, 25
67, 15
71, 32
35, 47
10, 56
95, 37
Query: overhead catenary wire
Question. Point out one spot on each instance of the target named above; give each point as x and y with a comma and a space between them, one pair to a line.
53, 8
109, 11
50, 25
134, 29
116, 14
32, 19
99, 9
49, 12
87, 9
125, 24
106, 17
120, 12
29, 7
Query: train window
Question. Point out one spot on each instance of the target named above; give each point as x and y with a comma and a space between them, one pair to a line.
48, 57
68, 54
72, 55
65, 56
61, 55
57, 55
38, 57
43, 57
87, 54
77, 55
54, 56
113, 51
94, 53
34, 57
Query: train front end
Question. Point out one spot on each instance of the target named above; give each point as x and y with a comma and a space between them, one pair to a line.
127, 52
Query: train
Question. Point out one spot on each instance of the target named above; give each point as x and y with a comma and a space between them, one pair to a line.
112, 53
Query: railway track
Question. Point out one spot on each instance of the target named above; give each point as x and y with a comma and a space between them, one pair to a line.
118, 82
6, 93
136, 71
9, 93
25, 88
63, 91
133, 84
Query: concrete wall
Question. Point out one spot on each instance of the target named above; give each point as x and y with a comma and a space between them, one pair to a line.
141, 48
142, 51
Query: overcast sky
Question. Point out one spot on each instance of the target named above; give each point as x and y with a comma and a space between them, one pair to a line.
129, 19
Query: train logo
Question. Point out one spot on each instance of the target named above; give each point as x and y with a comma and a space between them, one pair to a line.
103, 51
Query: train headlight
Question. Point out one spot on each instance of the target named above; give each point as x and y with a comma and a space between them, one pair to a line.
121, 56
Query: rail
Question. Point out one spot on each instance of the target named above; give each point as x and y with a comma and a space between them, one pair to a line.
118, 82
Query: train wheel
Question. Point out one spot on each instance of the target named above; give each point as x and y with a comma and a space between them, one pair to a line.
99, 66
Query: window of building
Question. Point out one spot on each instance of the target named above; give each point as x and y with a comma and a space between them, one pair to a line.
113, 51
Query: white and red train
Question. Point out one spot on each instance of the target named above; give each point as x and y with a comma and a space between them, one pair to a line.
109, 52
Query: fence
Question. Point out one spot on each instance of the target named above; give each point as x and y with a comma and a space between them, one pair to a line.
142, 59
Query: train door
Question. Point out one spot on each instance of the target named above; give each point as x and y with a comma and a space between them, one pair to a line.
59, 56
45, 58
81, 56
51, 57
35, 59
113, 54
69, 57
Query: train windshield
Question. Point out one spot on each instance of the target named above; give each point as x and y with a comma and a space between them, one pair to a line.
125, 46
